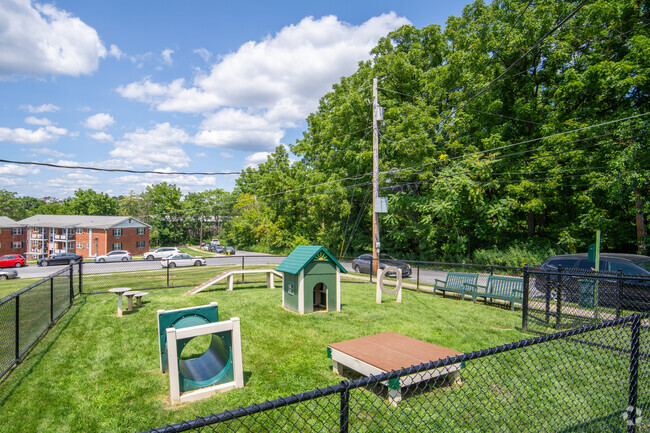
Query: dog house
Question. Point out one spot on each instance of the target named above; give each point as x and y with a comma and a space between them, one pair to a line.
311, 280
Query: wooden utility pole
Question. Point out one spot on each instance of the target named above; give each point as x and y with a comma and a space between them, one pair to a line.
375, 178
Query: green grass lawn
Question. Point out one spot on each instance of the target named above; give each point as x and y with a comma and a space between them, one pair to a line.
94, 372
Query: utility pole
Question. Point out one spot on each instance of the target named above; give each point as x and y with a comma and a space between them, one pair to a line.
375, 178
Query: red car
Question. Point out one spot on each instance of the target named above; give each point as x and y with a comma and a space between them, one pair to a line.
12, 261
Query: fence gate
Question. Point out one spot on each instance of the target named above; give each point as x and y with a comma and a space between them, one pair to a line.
567, 299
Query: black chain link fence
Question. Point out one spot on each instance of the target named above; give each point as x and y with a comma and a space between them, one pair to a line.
566, 299
26, 315
591, 379
150, 274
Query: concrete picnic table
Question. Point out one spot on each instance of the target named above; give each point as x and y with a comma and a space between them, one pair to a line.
121, 291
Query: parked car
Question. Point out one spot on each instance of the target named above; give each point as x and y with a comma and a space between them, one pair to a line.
8, 274
217, 249
635, 292
230, 251
362, 264
12, 261
60, 259
215, 241
160, 253
181, 259
115, 256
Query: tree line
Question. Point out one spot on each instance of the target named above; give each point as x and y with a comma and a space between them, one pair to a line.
521, 125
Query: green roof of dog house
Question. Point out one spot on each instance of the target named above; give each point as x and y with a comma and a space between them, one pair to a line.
304, 254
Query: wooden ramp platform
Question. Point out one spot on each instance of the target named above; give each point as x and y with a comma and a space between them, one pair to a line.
388, 351
230, 274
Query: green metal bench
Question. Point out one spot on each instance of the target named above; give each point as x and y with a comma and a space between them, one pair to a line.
456, 282
509, 289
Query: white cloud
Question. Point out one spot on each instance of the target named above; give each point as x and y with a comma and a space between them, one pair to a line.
32, 120
115, 52
50, 152
45, 108
204, 53
17, 170
153, 147
167, 56
226, 155
274, 83
39, 39
99, 121
32, 136
102, 136
235, 129
256, 159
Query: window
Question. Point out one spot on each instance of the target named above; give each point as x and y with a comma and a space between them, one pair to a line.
139, 245
140, 230
80, 245
626, 268
117, 232
16, 245
16, 232
80, 231
88, 245
117, 247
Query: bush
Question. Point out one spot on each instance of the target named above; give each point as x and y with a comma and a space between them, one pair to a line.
517, 254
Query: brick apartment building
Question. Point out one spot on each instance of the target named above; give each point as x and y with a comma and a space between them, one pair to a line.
87, 235
12, 237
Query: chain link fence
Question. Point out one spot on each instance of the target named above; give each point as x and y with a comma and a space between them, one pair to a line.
570, 298
593, 378
150, 274
26, 315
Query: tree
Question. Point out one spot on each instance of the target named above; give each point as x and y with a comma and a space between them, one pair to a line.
89, 202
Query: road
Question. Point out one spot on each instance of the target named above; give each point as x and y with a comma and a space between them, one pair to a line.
243, 258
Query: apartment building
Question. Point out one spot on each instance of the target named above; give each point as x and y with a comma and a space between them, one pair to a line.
87, 235
12, 237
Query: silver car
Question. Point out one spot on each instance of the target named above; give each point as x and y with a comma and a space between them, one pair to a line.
181, 259
7, 274
115, 256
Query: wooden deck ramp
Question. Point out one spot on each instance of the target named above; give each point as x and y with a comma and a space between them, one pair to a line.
230, 276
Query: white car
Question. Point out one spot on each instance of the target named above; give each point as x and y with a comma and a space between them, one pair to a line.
160, 253
115, 256
181, 259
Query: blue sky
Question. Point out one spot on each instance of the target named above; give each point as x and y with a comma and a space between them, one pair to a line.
174, 86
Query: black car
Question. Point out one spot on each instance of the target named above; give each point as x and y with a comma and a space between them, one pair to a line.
60, 259
230, 251
217, 249
362, 264
634, 292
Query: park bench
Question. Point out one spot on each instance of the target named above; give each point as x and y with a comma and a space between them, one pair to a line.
456, 282
509, 289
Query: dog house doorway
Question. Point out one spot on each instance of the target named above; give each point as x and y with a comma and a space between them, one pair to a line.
320, 297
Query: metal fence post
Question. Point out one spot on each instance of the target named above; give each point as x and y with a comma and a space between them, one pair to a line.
372, 265
17, 345
619, 287
167, 274
345, 408
524, 306
81, 277
558, 301
51, 300
71, 283
418, 278
242, 267
634, 370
